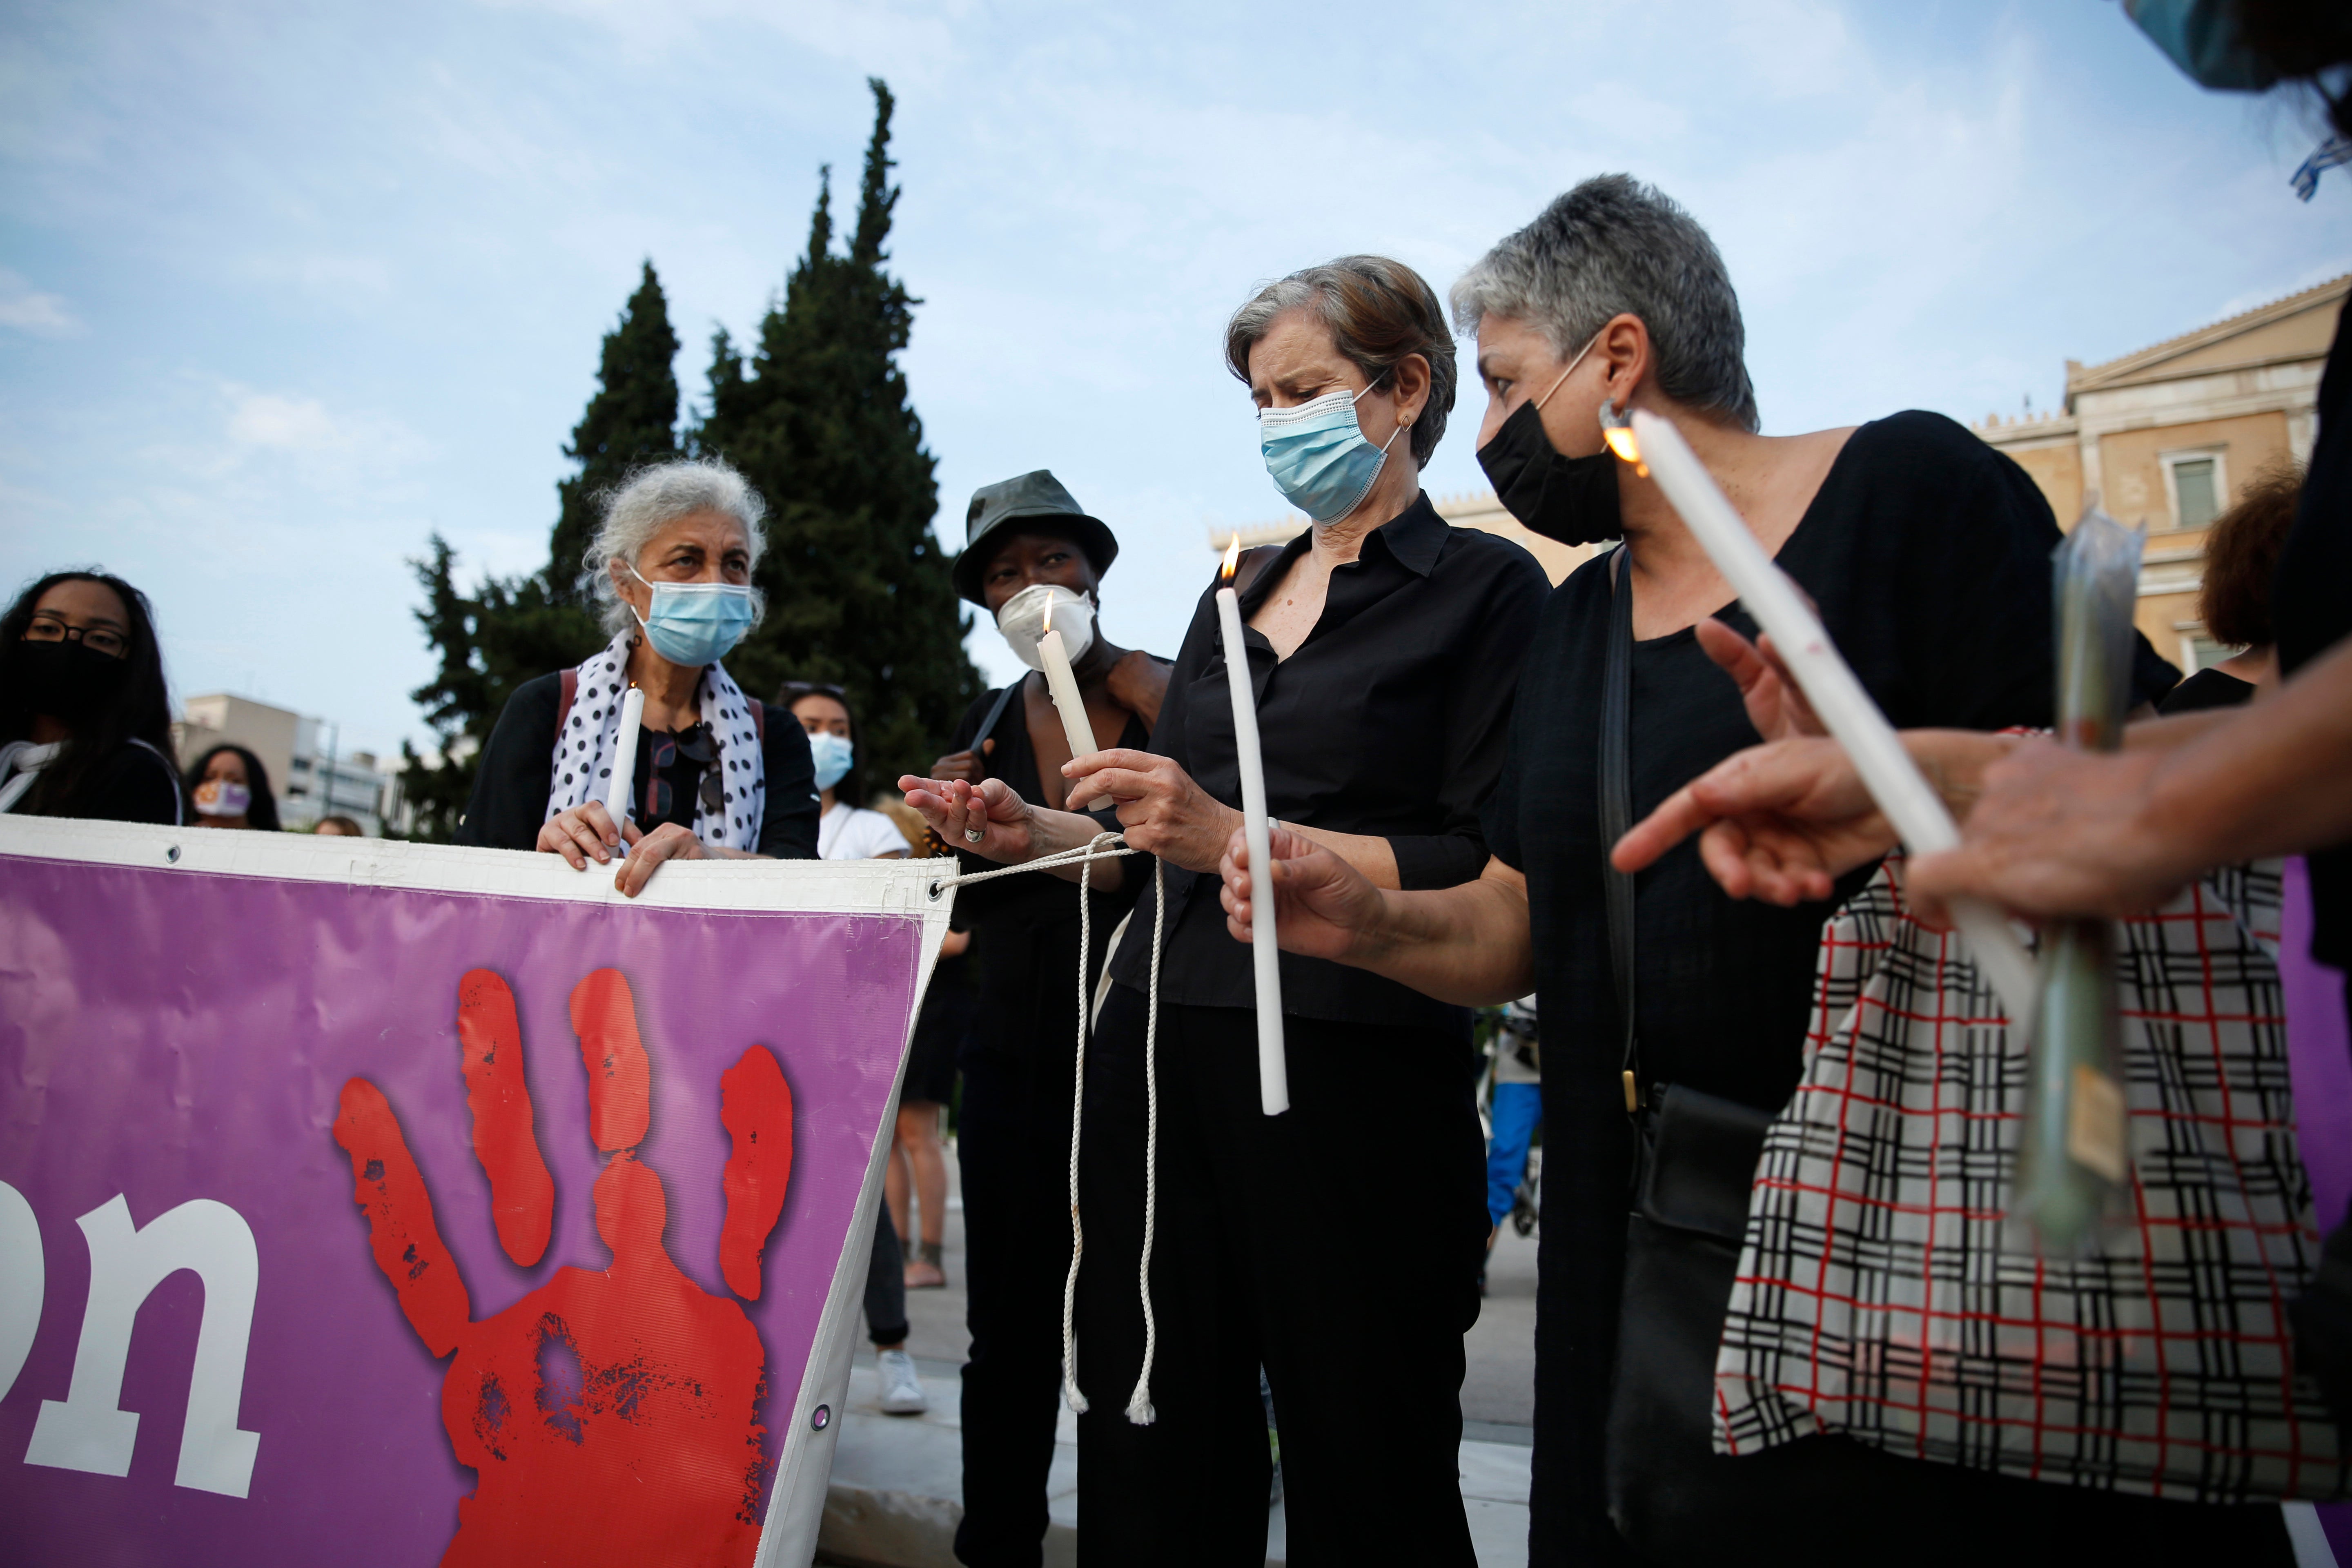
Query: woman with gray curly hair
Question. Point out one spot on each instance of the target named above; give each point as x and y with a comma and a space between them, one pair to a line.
671, 566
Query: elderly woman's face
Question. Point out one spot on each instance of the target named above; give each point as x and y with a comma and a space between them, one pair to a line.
700, 547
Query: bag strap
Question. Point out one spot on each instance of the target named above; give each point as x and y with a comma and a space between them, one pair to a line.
1617, 805
995, 712
567, 686
759, 718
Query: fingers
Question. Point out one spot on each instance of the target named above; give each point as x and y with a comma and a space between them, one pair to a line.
1122, 785
576, 839
755, 1106
620, 1081
647, 853
1678, 816
1735, 654
1799, 706
407, 1245
522, 1192
1116, 757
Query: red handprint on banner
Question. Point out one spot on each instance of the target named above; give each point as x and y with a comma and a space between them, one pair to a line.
610, 1414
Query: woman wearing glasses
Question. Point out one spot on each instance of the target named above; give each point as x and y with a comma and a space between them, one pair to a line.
672, 565
85, 728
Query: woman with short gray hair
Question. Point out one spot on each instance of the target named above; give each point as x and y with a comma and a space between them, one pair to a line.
671, 566
1927, 553
1383, 645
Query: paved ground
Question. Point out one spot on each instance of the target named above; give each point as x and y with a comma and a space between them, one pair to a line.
894, 1494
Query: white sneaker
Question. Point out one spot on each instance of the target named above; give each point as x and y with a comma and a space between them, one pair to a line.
902, 1390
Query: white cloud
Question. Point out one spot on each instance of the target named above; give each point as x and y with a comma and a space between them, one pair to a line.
33, 311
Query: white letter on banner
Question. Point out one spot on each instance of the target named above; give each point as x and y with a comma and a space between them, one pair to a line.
87, 1431
24, 1281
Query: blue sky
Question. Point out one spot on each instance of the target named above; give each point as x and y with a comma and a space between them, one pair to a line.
284, 288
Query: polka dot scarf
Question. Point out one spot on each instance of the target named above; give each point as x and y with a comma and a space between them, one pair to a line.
584, 752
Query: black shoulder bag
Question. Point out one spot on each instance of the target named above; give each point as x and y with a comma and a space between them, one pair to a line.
1695, 1159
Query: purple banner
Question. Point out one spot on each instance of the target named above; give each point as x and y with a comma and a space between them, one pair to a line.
315, 1245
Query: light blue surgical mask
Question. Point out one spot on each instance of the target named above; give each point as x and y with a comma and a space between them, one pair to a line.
832, 754
2201, 37
695, 622
1319, 457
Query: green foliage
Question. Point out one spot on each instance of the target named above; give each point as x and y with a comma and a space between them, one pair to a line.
631, 421
817, 417
489, 643
508, 631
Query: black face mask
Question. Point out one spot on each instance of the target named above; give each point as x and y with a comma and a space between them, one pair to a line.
65, 680
1572, 499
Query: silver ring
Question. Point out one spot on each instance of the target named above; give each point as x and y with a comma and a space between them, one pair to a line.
975, 835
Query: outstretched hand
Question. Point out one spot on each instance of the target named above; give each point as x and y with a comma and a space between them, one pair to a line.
1780, 822
957, 809
1323, 907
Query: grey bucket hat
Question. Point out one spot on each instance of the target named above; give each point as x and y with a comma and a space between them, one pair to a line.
1034, 503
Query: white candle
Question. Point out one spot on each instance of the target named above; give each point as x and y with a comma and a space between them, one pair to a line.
1893, 780
1063, 686
1266, 955
624, 763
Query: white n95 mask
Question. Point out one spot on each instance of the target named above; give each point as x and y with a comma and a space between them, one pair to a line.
1024, 619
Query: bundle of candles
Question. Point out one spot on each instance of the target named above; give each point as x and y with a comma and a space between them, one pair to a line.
2075, 1156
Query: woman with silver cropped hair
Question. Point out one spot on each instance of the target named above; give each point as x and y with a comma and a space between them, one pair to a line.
671, 566
1676, 1018
1383, 645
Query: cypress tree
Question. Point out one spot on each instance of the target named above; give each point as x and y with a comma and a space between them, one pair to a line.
817, 417
631, 420
510, 630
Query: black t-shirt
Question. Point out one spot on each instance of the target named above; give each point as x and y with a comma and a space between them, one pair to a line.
1390, 720
2206, 688
2311, 608
509, 804
1929, 556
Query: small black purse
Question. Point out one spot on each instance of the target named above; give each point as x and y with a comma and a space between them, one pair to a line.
1695, 1159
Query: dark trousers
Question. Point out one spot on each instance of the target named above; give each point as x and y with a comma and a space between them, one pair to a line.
1012, 1148
885, 1285
1336, 1246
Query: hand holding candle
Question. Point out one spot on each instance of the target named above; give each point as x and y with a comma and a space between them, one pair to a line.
625, 765
1910, 803
1273, 1071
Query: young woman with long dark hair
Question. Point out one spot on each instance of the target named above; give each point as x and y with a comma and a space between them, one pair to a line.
230, 788
85, 725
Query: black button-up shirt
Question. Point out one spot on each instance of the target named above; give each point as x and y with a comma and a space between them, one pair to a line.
1390, 720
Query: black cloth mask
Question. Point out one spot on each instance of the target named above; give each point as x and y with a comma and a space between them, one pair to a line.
1572, 499
65, 679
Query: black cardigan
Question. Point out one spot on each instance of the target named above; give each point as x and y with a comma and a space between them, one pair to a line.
510, 801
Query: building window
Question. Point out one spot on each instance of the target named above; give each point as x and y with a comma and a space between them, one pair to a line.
2198, 487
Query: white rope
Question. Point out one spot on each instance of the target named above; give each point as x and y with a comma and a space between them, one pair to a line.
1138, 1404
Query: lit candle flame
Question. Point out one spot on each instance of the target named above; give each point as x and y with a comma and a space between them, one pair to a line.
1621, 441
1049, 616
1232, 558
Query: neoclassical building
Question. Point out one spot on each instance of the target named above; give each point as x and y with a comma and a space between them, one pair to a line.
2166, 439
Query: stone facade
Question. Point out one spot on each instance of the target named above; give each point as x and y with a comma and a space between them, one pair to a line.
2167, 438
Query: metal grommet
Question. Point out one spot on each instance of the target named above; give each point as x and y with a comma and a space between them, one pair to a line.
173, 854
934, 892
820, 1418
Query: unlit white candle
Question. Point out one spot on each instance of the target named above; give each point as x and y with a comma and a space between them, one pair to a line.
1273, 1072
624, 762
1068, 700
1893, 780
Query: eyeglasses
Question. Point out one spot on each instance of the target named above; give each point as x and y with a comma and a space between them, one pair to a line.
48, 627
